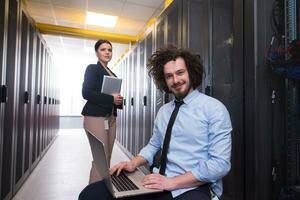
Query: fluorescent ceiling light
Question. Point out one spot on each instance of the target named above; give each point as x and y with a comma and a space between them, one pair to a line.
99, 19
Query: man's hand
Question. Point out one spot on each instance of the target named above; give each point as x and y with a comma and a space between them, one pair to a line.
128, 166
157, 181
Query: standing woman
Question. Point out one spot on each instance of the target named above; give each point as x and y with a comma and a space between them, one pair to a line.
100, 109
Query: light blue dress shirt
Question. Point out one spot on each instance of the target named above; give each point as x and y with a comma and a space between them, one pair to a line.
200, 140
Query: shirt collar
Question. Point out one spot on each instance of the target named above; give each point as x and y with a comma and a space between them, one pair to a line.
188, 99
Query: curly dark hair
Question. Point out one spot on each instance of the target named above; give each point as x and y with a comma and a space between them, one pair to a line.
163, 55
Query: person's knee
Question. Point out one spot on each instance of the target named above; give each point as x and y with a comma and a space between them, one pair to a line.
94, 191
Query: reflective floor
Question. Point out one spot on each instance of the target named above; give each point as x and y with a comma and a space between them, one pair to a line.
64, 170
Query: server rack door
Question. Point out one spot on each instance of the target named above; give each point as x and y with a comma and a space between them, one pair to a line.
22, 107
118, 122
3, 90
47, 86
148, 90
126, 103
127, 114
31, 100
47, 119
140, 96
121, 112
11, 111
42, 93
173, 15
131, 102
195, 34
227, 79
173, 31
160, 38
135, 122
46, 102
37, 101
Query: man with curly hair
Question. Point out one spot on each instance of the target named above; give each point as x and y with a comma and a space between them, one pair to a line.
193, 131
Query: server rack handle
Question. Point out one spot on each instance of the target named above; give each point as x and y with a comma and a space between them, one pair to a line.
45, 100
132, 101
26, 97
124, 102
38, 99
208, 90
3, 94
145, 101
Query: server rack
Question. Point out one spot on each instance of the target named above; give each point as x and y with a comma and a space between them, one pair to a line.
140, 97
10, 127
134, 101
29, 143
25, 85
23, 100
3, 84
195, 24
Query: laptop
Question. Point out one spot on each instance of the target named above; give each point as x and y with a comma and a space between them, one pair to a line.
124, 185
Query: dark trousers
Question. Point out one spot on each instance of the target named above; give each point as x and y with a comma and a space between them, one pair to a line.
98, 191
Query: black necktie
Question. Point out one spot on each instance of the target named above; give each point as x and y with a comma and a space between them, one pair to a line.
163, 160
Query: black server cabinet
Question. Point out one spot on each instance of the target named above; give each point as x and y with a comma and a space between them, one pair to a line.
3, 85
37, 102
130, 102
48, 94
41, 108
148, 115
227, 86
46, 102
122, 112
11, 109
196, 31
135, 101
118, 122
140, 97
160, 35
22, 106
126, 103
30, 123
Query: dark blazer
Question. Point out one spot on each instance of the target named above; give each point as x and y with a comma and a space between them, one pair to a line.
98, 104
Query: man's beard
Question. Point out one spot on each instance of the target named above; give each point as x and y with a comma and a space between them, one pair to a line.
180, 96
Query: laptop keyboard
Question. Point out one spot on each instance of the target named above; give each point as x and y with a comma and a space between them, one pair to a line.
123, 183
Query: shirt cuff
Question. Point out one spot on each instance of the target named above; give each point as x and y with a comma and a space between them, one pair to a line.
147, 155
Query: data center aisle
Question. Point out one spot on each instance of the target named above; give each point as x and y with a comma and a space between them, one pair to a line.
64, 170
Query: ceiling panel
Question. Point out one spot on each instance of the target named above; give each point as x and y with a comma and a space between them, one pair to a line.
151, 3
133, 16
134, 11
40, 9
130, 25
71, 15
114, 7
77, 4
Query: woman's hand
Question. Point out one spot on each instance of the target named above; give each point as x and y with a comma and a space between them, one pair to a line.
128, 166
118, 99
157, 181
